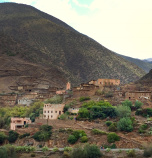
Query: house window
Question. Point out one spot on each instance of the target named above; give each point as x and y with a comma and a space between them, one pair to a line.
51, 111
44, 111
48, 111
55, 111
51, 116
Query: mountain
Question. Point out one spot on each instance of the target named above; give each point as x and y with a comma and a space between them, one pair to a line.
144, 64
146, 81
149, 60
37, 48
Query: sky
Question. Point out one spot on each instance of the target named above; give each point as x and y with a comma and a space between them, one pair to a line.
123, 26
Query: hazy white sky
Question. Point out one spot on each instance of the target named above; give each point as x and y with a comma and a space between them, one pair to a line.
123, 26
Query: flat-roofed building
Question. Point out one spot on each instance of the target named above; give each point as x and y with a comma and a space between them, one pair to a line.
52, 111
17, 122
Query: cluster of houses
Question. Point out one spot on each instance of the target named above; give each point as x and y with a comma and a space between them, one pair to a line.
28, 96
53, 111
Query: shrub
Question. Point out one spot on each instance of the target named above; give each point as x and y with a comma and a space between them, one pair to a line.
3, 137
79, 133
44, 133
67, 148
123, 111
127, 103
46, 128
55, 149
63, 117
92, 151
88, 151
55, 100
125, 124
24, 135
42, 136
112, 137
131, 153
98, 132
7, 151
72, 139
84, 113
148, 151
84, 139
26, 149
84, 98
33, 155
144, 126
12, 137
108, 123
66, 154
113, 146
113, 127
138, 104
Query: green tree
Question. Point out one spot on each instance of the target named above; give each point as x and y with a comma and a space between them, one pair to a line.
127, 103
125, 124
3, 137
112, 137
12, 137
138, 104
72, 139
83, 113
123, 111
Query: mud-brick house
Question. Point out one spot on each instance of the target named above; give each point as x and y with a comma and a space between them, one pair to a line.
84, 90
8, 99
107, 82
17, 122
52, 111
138, 95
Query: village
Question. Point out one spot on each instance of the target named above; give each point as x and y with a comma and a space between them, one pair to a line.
65, 116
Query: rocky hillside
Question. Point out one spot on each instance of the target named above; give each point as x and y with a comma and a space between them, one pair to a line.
33, 43
144, 64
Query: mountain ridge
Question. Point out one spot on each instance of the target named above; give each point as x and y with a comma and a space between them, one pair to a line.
31, 37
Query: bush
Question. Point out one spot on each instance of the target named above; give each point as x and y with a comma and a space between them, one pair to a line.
55, 149
144, 126
88, 151
112, 137
24, 135
108, 123
127, 103
84, 98
125, 124
7, 151
98, 132
44, 133
33, 155
131, 153
113, 127
72, 139
84, 113
63, 117
67, 148
138, 104
25, 149
55, 100
12, 137
3, 137
79, 133
84, 139
148, 151
66, 154
113, 146
123, 111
